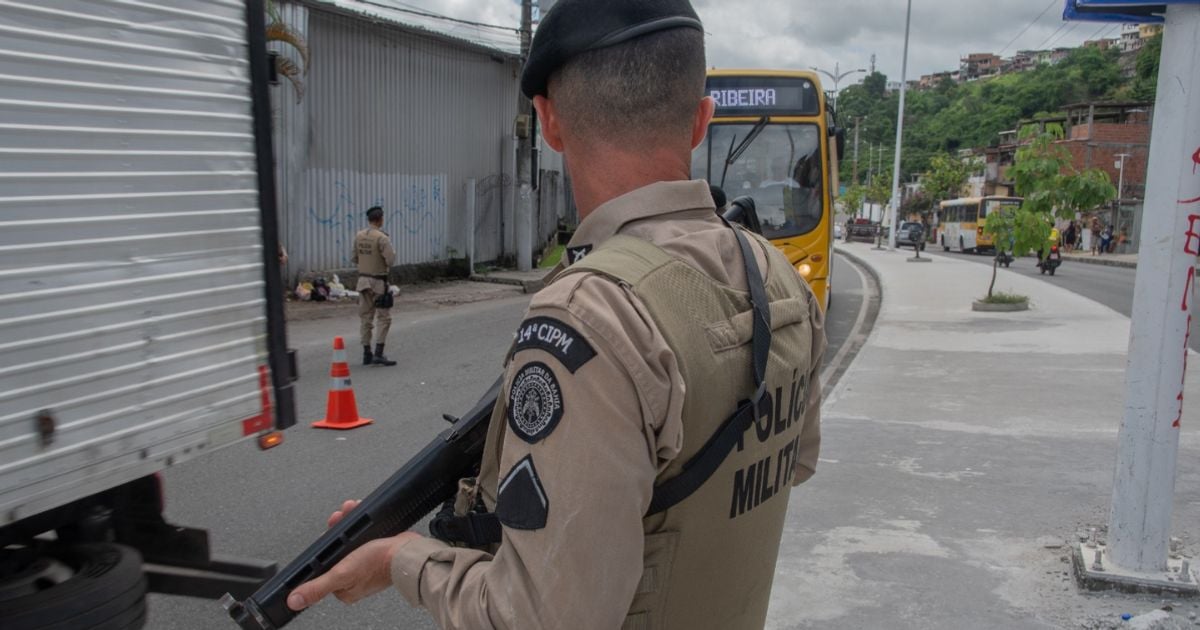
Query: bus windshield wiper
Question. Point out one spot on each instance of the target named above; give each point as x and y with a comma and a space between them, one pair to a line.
736, 152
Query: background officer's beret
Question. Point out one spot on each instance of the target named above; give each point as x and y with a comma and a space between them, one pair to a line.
577, 26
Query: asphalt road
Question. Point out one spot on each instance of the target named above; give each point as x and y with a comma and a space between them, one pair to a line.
273, 504
1110, 286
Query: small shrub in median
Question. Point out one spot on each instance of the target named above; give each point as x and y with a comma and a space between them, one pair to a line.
1004, 298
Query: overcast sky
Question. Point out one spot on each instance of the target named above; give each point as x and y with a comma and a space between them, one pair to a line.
803, 33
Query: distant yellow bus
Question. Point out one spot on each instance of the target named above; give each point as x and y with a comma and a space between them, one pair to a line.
961, 222
771, 139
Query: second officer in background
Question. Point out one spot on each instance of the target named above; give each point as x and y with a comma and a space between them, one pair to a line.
374, 255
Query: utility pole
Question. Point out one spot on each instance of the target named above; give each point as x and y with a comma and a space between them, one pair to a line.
1148, 441
525, 139
857, 119
895, 202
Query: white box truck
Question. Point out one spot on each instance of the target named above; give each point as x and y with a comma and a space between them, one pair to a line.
141, 314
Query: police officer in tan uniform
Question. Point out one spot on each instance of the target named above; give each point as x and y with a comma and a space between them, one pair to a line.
666, 338
374, 256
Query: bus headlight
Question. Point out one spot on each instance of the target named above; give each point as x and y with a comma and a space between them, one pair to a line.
805, 270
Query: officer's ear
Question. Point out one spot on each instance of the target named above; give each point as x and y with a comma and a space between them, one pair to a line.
704, 114
548, 120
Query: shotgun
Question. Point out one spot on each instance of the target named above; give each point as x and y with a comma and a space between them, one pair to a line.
420, 486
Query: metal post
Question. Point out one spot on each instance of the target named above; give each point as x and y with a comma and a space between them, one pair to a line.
470, 229
1148, 442
524, 218
1121, 176
857, 119
895, 201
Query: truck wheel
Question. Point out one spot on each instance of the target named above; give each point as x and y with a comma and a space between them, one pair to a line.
94, 586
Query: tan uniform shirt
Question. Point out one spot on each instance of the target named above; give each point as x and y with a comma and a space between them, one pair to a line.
374, 256
618, 424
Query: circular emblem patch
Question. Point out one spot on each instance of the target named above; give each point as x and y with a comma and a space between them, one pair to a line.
534, 402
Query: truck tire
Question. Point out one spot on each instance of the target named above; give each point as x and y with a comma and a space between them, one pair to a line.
94, 586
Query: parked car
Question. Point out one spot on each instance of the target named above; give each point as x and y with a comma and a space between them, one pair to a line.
861, 230
909, 233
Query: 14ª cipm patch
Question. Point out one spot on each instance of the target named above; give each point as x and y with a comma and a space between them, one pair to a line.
535, 402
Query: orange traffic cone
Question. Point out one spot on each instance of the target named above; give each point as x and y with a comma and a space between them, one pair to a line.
341, 412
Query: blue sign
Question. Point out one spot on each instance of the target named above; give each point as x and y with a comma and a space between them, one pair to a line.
1133, 11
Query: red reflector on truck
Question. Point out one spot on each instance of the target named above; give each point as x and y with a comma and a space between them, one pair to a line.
262, 421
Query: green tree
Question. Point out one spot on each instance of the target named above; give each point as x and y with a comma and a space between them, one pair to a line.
1051, 187
879, 189
852, 200
946, 176
919, 204
1145, 80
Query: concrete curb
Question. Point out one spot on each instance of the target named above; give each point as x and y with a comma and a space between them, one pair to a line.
865, 265
529, 286
985, 307
1100, 260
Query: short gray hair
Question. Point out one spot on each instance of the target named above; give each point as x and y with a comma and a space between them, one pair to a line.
644, 89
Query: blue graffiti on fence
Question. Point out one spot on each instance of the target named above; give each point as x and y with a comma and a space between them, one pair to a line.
340, 220
416, 214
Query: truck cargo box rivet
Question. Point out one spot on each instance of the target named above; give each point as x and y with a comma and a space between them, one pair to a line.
45, 427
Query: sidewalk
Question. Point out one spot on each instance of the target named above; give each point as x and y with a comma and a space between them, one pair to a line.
961, 452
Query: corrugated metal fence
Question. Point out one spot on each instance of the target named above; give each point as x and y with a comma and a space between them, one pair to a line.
396, 118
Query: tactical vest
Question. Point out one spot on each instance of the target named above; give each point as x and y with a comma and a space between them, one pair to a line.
370, 259
709, 560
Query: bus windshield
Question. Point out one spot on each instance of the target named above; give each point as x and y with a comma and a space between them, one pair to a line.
779, 165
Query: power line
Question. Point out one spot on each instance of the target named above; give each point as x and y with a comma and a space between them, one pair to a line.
1074, 25
438, 16
1042, 46
1052, 4
1096, 35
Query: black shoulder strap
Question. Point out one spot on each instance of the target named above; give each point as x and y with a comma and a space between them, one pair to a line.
701, 466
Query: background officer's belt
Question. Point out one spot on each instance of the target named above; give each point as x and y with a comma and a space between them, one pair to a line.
479, 529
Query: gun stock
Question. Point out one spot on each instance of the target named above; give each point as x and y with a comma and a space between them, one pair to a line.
420, 486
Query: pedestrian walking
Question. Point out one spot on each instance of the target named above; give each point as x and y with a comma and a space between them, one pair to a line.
1106, 240
1069, 237
374, 256
622, 492
1095, 229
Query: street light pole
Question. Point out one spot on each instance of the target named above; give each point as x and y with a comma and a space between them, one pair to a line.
836, 76
899, 134
1121, 175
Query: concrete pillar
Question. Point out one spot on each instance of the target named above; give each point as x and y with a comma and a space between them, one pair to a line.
1148, 442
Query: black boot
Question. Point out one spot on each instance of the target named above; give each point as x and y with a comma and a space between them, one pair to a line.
379, 358
367, 358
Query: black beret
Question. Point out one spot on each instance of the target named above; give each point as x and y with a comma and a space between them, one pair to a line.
374, 212
577, 26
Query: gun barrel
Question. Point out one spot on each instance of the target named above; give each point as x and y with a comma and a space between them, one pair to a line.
420, 486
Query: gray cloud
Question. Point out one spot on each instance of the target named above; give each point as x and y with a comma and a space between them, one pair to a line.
803, 33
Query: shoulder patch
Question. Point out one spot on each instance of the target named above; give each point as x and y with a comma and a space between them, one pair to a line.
535, 403
521, 501
576, 254
557, 338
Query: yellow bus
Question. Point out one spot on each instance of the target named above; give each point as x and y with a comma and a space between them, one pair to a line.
961, 222
772, 138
